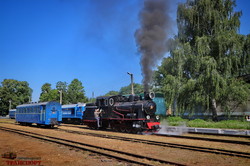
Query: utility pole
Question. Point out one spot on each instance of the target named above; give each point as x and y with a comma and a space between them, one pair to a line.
60, 96
10, 105
132, 83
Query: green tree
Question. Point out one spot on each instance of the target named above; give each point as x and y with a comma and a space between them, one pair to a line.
76, 92
49, 94
14, 92
112, 93
138, 88
46, 88
62, 86
208, 57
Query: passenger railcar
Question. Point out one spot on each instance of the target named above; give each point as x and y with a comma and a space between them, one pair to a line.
73, 113
12, 114
126, 114
47, 113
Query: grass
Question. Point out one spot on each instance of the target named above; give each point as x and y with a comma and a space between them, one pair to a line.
225, 124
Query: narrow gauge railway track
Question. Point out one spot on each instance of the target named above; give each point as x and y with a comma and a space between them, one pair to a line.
91, 148
164, 144
186, 137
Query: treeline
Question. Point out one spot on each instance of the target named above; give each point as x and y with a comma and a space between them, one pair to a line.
138, 89
14, 92
208, 60
72, 93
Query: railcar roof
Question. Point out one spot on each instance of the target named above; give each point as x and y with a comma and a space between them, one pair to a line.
73, 105
33, 104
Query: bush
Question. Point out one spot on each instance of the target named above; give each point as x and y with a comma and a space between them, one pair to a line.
225, 124
174, 121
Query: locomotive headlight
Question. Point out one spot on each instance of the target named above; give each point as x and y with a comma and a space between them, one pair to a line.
157, 117
148, 117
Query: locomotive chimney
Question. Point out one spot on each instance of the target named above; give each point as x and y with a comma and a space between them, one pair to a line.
146, 95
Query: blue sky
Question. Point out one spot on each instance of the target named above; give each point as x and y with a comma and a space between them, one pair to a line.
59, 40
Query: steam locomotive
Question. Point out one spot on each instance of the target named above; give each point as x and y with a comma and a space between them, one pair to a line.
130, 114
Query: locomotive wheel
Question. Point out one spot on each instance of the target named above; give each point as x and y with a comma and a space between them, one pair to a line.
123, 129
117, 129
134, 131
129, 130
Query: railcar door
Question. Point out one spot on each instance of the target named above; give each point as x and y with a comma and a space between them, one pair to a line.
54, 113
42, 113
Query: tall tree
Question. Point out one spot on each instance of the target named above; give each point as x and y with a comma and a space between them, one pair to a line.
62, 88
208, 58
46, 88
76, 92
112, 93
138, 88
13, 93
48, 94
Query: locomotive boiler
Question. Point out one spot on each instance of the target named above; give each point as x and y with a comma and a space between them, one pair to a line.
130, 114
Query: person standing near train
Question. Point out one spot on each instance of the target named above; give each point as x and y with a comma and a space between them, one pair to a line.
97, 114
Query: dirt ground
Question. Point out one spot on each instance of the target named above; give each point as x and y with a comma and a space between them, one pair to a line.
53, 154
48, 154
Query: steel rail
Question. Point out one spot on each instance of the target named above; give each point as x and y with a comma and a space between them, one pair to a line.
66, 143
164, 144
190, 137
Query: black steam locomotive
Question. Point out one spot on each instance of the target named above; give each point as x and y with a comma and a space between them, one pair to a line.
130, 114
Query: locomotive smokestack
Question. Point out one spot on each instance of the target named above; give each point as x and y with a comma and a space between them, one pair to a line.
151, 37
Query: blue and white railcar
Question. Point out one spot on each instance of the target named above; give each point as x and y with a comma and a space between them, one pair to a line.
46, 113
73, 113
12, 114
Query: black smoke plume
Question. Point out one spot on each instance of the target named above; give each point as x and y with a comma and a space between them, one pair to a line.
151, 38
